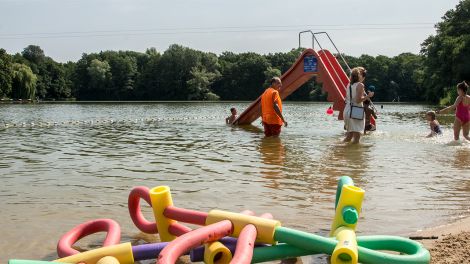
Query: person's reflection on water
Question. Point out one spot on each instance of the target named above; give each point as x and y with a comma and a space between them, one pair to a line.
273, 155
345, 160
248, 128
462, 159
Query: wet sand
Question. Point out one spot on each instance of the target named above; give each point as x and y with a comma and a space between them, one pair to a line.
448, 243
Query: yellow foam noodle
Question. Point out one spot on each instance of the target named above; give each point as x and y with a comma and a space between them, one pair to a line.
122, 253
161, 198
345, 251
216, 250
108, 260
350, 196
264, 227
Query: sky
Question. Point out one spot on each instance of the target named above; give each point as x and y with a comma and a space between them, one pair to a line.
65, 29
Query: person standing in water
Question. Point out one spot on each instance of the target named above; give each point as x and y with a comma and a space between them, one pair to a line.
271, 109
462, 111
229, 120
355, 96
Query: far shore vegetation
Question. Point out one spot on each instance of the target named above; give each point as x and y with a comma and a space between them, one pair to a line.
184, 74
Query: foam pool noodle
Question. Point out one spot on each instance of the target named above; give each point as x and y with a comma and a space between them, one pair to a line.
108, 260
345, 251
161, 199
216, 253
122, 252
265, 227
348, 206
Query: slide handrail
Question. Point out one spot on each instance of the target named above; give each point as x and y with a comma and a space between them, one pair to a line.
315, 39
334, 45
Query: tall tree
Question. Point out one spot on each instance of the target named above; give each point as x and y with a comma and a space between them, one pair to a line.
34, 54
447, 54
243, 76
24, 82
199, 84
6, 73
99, 73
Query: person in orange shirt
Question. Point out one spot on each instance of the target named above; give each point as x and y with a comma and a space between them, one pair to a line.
271, 109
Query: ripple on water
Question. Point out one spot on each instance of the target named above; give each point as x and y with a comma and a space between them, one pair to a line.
79, 161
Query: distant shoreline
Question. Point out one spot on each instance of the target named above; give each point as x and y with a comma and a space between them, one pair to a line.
210, 102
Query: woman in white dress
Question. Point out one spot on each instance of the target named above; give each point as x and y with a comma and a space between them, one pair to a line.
355, 96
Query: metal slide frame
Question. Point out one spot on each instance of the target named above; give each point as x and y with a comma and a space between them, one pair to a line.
315, 39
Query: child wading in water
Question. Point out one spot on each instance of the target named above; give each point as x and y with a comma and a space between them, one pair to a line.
462, 111
433, 124
369, 113
229, 120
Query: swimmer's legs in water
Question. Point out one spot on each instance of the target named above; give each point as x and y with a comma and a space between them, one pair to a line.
457, 127
466, 130
348, 137
356, 137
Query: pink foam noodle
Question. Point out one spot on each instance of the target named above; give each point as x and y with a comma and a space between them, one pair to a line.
178, 229
184, 243
137, 193
111, 227
185, 215
248, 212
172, 212
267, 216
246, 242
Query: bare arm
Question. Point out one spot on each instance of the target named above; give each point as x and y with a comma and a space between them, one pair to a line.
452, 107
278, 110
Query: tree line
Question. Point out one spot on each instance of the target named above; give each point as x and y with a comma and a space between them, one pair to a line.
182, 73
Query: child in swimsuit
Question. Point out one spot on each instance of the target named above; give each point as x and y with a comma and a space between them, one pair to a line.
368, 114
229, 120
462, 111
433, 124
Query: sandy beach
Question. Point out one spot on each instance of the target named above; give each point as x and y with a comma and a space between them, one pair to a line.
448, 243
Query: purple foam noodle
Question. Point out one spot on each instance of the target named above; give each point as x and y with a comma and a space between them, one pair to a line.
151, 251
197, 254
148, 251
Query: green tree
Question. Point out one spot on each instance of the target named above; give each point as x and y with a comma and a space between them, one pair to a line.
199, 84
23, 82
284, 60
269, 73
148, 80
99, 73
447, 54
407, 75
34, 54
174, 71
124, 75
243, 76
6, 73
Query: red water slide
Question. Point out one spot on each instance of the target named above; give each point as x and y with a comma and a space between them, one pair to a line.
339, 77
323, 65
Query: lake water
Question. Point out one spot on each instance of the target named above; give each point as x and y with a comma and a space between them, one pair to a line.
63, 164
